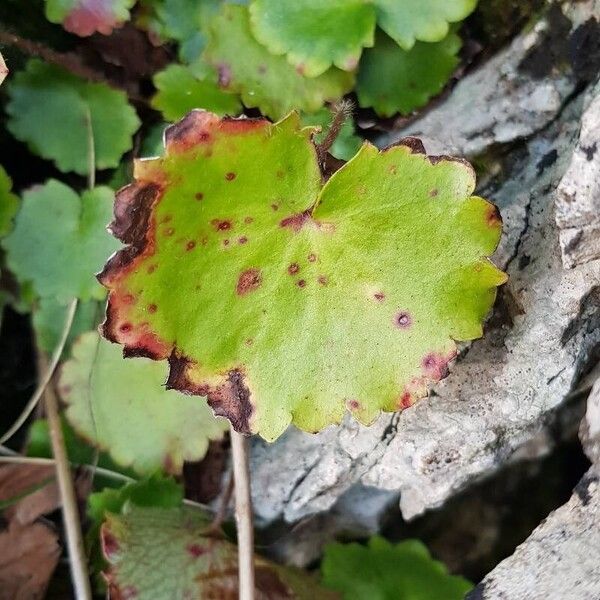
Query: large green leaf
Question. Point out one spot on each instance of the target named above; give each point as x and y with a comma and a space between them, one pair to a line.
59, 239
384, 571
426, 20
265, 81
285, 299
314, 34
9, 203
160, 554
58, 115
123, 408
180, 90
85, 17
393, 80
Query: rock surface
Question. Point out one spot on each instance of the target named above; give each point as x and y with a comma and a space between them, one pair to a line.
560, 559
505, 387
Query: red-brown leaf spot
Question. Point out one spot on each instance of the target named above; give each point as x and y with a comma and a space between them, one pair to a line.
301, 283
248, 281
492, 216
242, 240
196, 550
312, 257
379, 296
221, 224
322, 279
293, 268
403, 320
353, 405
230, 176
190, 245
152, 308
199, 196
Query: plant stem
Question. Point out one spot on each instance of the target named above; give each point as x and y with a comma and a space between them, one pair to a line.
243, 514
70, 62
71, 520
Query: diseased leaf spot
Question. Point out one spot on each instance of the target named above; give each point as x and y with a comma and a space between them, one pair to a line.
280, 174
190, 245
151, 269
230, 176
392, 169
312, 257
405, 401
301, 283
295, 222
274, 206
221, 224
293, 268
435, 366
249, 342
125, 327
493, 216
226, 242
199, 196
403, 320
129, 299
196, 550
110, 545
242, 240
353, 405
169, 231
152, 308
248, 281
166, 219
248, 220
322, 279
379, 296
433, 193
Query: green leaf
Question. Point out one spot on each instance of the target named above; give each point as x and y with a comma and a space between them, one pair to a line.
424, 20
383, 571
265, 81
123, 408
156, 490
9, 203
314, 34
179, 91
85, 17
59, 239
165, 553
393, 80
185, 21
57, 114
285, 299
49, 319
346, 144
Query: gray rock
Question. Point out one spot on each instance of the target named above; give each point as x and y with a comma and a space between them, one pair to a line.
561, 558
578, 195
503, 388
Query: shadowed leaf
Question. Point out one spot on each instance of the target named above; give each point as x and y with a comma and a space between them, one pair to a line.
384, 571
393, 80
57, 114
180, 91
265, 81
58, 240
85, 17
9, 203
122, 407
283, 299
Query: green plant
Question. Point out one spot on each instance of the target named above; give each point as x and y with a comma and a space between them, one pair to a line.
282, 284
